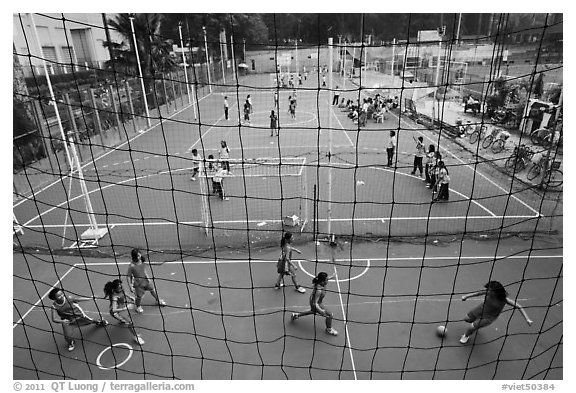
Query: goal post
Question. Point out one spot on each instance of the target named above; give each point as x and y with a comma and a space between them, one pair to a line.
263, 193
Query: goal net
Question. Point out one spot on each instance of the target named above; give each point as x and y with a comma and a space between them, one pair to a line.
260, 194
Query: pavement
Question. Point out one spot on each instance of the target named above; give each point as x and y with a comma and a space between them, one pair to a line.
451, 110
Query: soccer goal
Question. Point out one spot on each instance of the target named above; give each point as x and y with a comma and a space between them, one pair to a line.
262, 192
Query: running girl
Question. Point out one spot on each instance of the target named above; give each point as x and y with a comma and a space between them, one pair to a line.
495, 298
316, 298
113, 290
285, 265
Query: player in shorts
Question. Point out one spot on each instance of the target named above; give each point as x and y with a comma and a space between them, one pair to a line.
139, 281
67, 311
113, 290
285, 266
495, 298
316, 298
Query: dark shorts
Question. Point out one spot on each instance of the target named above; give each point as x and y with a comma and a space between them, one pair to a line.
140, 290
478, 320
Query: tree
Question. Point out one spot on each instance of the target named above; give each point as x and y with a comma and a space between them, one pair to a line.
153, 49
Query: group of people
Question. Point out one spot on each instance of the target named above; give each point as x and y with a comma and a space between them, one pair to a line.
247, 109
285, 267
436, 174
215, 169
370, 108
67, 312
484, 314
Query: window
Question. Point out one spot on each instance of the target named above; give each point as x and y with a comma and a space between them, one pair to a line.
81, 45
68, 55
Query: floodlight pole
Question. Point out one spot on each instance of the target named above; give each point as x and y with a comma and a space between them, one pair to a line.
393, 56
222, 59
148, 121
207, 59
93, 233
330, 98
190, 96
458, 30
244, 49
436, 78
52, 96
184, 61
344, 67
297, 56
235, 69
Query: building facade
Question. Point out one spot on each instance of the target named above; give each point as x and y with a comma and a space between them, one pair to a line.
66, 41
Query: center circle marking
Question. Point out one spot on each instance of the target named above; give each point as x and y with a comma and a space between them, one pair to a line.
125, 345
339, 280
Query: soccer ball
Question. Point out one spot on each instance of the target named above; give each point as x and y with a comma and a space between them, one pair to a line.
441, 331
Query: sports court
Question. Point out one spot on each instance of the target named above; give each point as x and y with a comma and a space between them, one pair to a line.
402, 263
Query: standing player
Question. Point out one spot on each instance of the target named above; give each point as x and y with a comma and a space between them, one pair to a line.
276, 105
418, 156
316, 298
67, 311
218, 182
285, 265
391, 147
226, 107
249, 101
224, 152
139, 280
495, 298
195, 164
247, 112
273, 123
113, 290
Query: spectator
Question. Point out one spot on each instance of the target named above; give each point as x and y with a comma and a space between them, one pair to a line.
442, 183
429, 167
391, 147
419, 155
336, 96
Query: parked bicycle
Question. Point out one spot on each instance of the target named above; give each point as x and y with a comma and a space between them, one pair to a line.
542, 136
519, 159
478, 133
496, 140
553, 176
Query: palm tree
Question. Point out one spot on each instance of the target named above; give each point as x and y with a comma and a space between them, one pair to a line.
153, 49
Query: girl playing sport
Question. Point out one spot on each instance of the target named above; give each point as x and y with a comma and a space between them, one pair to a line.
67, 311
139, 281
285, 265
316, 298
495, 298
113, 290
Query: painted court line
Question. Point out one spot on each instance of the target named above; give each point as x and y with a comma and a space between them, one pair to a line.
43, 296
162, 223
244, 261
396, 259
473, 169
92, 162
348, 343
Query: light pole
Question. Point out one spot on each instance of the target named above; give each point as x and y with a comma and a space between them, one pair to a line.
207, 59
244, 47
140, 72
190, 96
222, 59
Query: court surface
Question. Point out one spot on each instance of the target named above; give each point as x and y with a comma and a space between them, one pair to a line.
224, 320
